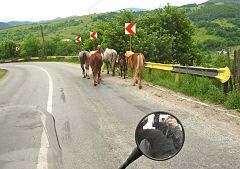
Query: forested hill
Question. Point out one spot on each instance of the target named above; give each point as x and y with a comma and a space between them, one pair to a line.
224, 1
210, 11
218, 23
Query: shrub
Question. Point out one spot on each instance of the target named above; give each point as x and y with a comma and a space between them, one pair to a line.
233, 100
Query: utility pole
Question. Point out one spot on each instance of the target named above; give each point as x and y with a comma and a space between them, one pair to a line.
44, 49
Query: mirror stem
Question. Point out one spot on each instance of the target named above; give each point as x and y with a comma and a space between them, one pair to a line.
132, 157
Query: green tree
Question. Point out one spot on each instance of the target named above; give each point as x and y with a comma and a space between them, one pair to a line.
8, 50
169, 32
66, 48
31, 47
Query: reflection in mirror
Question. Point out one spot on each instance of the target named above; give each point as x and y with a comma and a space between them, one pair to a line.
159, 136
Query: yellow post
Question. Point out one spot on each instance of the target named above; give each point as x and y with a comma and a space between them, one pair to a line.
177, 77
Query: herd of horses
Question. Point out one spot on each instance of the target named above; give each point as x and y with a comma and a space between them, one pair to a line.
97, 59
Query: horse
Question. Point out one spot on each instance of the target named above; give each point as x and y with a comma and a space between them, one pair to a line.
110, 57
122, 65
96, 65
136, 63
84, 61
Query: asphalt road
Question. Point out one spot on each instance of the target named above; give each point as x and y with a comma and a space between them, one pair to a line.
96, 125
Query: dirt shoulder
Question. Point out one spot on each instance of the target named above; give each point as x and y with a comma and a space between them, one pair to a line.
178, 100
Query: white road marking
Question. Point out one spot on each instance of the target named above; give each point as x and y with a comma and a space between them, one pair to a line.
42, 162
194, 101
42, 156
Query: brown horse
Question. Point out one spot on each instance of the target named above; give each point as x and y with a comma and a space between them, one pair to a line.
96, 63
136, 63
122, 65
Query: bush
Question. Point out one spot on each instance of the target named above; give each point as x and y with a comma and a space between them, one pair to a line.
233, 100
216, 95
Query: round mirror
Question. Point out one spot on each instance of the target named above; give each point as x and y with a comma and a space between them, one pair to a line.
159, 136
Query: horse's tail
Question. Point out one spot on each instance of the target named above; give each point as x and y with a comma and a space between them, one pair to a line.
84, 57
142, 60
140, 64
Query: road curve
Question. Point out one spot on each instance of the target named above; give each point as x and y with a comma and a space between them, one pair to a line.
96, 125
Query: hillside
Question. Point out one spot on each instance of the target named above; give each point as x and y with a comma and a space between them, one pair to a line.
217, 22
224, 1
67, 28
4, 25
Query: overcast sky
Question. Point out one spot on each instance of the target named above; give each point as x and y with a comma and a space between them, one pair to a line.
36, 10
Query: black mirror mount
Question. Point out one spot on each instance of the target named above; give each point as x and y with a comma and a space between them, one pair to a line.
135, 154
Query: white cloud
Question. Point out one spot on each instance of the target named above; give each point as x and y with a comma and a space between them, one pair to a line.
35, 10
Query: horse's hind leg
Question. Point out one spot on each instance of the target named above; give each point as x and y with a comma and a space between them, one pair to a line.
113, 68
87, 71
99, 77
83, 70
107, 69
102, 68
140, 79
121, 71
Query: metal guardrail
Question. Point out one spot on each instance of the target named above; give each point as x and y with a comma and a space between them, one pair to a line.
37, 58
221, 74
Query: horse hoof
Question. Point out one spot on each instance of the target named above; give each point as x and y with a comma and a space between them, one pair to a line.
88, 77
95, 84
140, 87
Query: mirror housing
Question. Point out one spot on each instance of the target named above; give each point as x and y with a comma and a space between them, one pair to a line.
159, 136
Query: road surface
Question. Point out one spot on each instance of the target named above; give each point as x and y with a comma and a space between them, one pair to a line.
96, 125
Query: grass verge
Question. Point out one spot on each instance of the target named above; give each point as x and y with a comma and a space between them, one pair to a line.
2, 72
200, 87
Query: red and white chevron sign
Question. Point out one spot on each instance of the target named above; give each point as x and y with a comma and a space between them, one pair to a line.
93, 35
17, 49
130, 28
78, 39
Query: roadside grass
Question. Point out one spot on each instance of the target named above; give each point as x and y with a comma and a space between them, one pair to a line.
202, 88
2, 72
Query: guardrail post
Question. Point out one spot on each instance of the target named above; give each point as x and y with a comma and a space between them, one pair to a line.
234, 69
238, 69
225, 87
177, 77
149, 71
229, 65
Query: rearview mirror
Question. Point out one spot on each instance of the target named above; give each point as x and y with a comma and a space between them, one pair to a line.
159, 136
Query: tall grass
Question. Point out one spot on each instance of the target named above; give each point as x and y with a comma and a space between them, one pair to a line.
200, 87
2, 72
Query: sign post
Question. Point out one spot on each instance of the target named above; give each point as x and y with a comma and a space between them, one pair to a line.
130, 29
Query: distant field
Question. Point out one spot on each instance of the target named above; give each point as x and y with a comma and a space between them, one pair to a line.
201, 35
224, 23
2, 73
